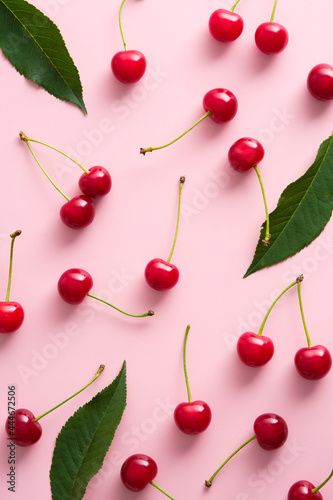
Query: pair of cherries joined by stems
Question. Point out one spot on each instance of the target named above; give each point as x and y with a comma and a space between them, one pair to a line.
79, 211
226, 26
24, 428
254, 349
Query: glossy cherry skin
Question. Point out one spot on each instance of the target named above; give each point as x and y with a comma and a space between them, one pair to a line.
254, 350
313, 363
11, 316
320, 82
22, 428
245, 153
128, 66
302, 490
161, 275
271, 38
192, 417
74, 284
96, 183
225, 26
271, 431
78, 212
137, 471
222, 103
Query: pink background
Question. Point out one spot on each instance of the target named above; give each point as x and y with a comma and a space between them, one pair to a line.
59, 346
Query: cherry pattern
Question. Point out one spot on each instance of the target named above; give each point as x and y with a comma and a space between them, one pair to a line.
226, 25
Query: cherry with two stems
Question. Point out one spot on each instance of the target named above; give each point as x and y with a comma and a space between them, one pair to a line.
244, 155
11, 313
320, 82
75, 284
24, 428
312, 362
220, 105
255, 349
192, 417
160, 274
304, 490
128, 66
77, 212
225, 25
271, 432
138, 471
271, 37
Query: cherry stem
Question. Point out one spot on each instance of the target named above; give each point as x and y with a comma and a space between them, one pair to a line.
26, 140
160, 489
149, 313
267, 235
13, 236
209, 482
120, 26
233, 7
181, 180
297, 280
99, 371
59, 151
184, 363
273, 11
323, 483
143, 151
302, 313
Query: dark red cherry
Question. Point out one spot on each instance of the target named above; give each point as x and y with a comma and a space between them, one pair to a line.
74, 284
22, 428
78, 212
302, 490
222, 103
254, 350
161, 275
313, 363
320, 82
245, 153
128, 66
11, 316
271, 38
271, 431
225, 26
193, 417
97, 182
138, 471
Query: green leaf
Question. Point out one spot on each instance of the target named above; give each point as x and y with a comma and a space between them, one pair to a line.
84, 440
36, 48
302, 212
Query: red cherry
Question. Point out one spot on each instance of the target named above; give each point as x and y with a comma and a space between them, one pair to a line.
138, 471
225, 26
74, 284
320, 82
271, 431
128, 66
271, 38
161, 275
222, 104
193, 417
11, 316
313, 363
302, 490
22, 428
254, 349
245, 153
78, 212
97, 182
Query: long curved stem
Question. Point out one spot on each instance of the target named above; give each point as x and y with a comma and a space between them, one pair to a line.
273, 11
302, 313
99, 371
120, 26
234, 6
26, 140
267, 235
323, 483
13, 236
184, 363
209, 482
297, 280
143, 151
160, 489
149, 313
181, 180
